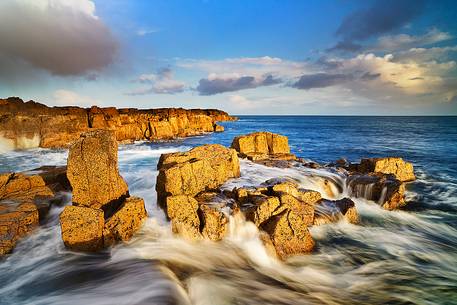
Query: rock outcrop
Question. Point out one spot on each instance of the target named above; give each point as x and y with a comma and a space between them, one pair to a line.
16, 221
103, 212
263, 145
25, 198
31, 124
82, 228
184, 186
93, 171
403, 171
201, 169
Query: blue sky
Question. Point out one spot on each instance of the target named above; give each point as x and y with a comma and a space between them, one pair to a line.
246, 57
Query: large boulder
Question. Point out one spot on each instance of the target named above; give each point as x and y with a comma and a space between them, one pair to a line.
289, 233
263, 145
125, 221
16, 220
188, 173
93, 173
403, 171
82, 228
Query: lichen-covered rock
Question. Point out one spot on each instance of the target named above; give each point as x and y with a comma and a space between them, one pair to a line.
213, 222
278, 187
403, 171
25, 199
93, 173
41, 183
329, 211
260, 208
82, 228
386, 190
16, 220
125, 221
203, 168
289, 233
182, 211
263, 145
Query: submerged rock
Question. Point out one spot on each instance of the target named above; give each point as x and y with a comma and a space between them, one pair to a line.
329, 211
93, 172
263, 145
386, 190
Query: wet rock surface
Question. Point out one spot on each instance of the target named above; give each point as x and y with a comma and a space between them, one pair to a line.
103, 212
386, 190
25, 199
282, 211
201, 169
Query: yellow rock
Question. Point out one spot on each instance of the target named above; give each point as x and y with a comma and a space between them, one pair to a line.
82, 228
125, 221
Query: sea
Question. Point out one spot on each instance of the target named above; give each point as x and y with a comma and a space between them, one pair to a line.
407, 256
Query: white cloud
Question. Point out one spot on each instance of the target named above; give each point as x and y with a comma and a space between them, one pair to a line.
63, 37
390, 43
161, 82
146, 31
70, 98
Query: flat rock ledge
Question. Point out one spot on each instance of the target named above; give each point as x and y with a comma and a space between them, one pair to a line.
25, 199
103, 212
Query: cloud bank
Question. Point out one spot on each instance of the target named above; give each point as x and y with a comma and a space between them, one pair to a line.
161, 82
61, 37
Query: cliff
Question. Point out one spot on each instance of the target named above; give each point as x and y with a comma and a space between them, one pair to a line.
31, 124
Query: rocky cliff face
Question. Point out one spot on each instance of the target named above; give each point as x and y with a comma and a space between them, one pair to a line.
31, 124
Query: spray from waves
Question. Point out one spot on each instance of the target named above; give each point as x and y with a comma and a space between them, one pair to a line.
390, 258
327, 182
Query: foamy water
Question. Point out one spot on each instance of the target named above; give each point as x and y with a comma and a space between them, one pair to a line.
391, 257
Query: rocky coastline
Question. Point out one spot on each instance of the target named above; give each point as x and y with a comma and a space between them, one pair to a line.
190, 190
31, 124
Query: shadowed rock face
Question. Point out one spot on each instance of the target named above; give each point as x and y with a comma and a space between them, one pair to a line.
32, 124
386, 190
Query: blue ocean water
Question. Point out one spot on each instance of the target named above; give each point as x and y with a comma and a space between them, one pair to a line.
391, 257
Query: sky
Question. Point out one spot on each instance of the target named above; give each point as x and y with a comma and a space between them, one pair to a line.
337, 57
